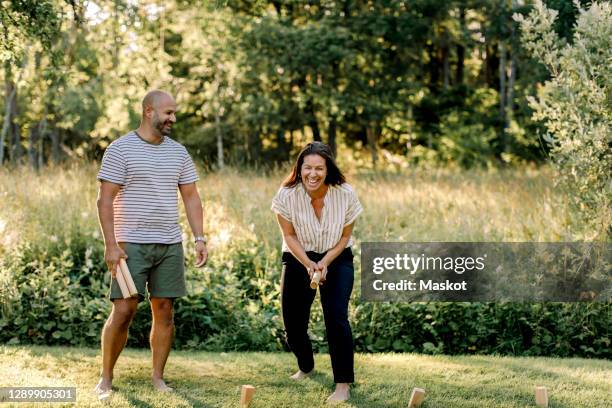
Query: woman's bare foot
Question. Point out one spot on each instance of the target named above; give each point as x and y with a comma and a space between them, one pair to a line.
300, 375
104, 386
160, 385
342, 393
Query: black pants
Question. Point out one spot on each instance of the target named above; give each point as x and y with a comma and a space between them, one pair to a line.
297, 298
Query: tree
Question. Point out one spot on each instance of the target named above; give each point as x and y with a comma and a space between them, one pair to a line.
22, 23
576, 105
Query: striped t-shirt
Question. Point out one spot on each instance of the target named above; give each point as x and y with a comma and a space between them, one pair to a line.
340, 208
146, 207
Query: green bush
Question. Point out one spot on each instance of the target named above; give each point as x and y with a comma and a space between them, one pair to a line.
576, 105
55, 294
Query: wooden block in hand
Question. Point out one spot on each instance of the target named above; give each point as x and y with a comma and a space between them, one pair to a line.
127, 276
417, 397
125, 292
246, 395
316, 278
541, 396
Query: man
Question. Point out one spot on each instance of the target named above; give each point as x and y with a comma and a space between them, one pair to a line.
138, 212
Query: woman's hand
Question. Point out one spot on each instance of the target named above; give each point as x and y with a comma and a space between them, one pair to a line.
311, 268
322, 267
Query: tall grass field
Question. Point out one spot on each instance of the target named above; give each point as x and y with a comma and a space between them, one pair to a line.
53, 281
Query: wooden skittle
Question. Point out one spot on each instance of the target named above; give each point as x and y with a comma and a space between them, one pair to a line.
316, 278
541, 397
246, 395
128, 278
417, 397
121, 282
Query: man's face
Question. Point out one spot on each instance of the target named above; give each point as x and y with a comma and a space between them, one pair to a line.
163, 116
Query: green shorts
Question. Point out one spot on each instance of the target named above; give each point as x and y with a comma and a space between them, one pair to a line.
158, 267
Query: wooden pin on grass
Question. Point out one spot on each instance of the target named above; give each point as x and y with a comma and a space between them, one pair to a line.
541, 397
417, 397
246, 395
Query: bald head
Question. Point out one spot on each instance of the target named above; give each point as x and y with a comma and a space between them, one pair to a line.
158, 112
155, 98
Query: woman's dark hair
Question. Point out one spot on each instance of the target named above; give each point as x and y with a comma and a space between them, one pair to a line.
334, 175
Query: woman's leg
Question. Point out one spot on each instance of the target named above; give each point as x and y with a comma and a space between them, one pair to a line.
296, 299
335, 296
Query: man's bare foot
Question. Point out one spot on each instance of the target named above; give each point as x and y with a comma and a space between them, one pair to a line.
342, 393
104, 386
160, 385
300, 375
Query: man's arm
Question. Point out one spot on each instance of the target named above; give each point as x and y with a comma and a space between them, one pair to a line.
112, 252
195, 216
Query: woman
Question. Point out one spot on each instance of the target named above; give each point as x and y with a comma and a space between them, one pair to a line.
316, 210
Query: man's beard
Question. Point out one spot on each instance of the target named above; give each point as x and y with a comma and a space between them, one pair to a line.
159, 125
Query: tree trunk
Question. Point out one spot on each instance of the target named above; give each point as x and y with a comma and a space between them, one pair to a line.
333, 123
331, 134
434, 73
512, 73
41, 151
491, 63
460, 48
11, 91
33, 141
254, 147
373, 142
446, 67
444, 57
510, 89
16, 148
312, 122
220, 162
10, 103
116, 20
502, 93
281, 142
55, 145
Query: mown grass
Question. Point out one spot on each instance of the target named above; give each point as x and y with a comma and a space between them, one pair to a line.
382, 380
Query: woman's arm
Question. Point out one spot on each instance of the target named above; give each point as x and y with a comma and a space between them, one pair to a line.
294, 245
336, 250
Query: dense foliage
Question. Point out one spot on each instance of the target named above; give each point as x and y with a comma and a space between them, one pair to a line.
576, 105
419, 81
56, 295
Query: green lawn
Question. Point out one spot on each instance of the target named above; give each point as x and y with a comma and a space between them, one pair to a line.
383, 380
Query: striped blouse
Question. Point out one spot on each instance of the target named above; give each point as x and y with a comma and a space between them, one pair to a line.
146, 207
341, 208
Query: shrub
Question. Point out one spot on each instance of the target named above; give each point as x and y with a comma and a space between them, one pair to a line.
575, 105
55, 294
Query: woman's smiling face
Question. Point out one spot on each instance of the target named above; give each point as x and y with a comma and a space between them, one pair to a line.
313, 172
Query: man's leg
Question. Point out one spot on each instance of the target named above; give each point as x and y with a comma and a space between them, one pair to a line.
162, 334
114, 337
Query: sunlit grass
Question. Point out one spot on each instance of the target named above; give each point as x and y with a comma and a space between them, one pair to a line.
382, 380
433, 205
